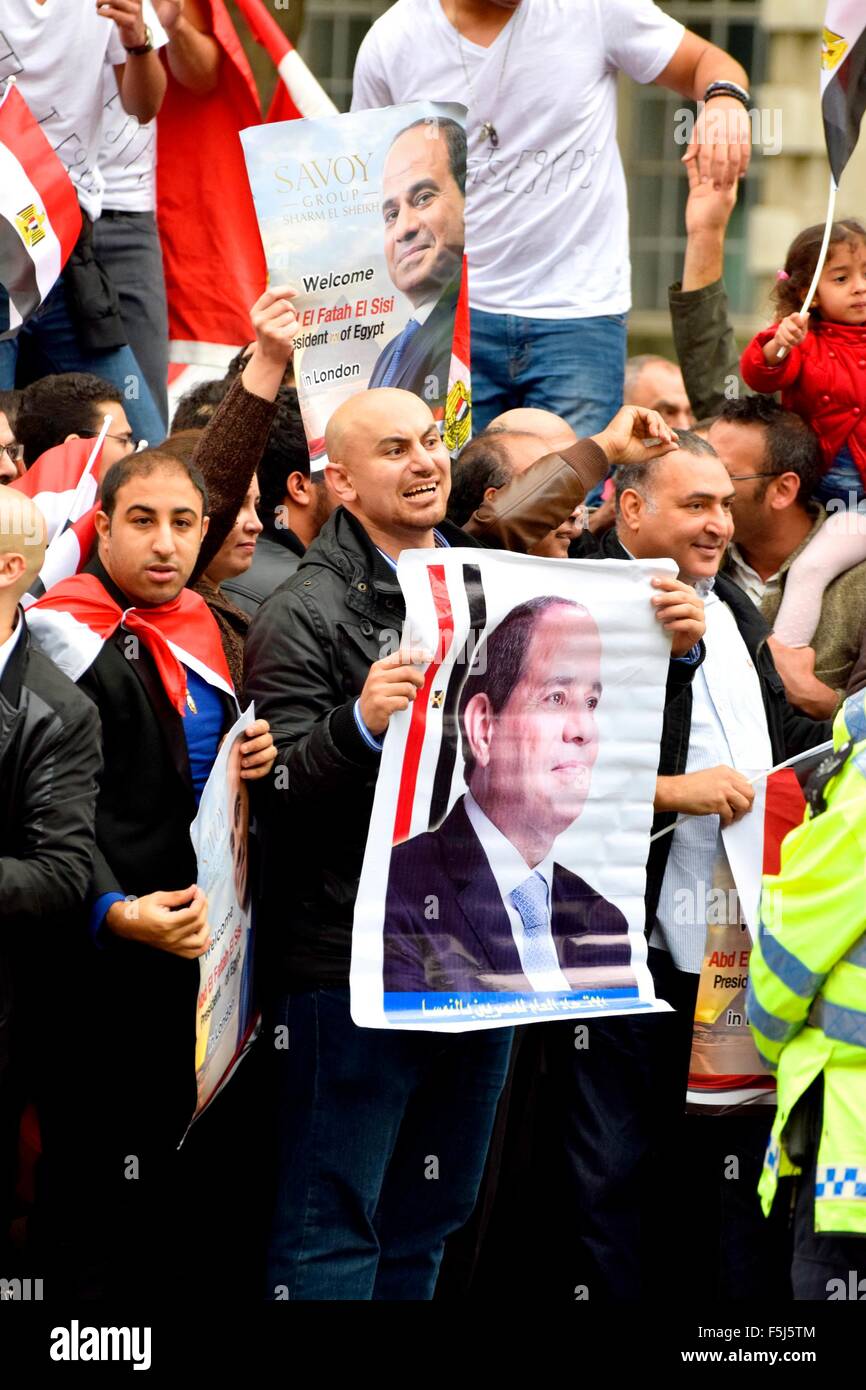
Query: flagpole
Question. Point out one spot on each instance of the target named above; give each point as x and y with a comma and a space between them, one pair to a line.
822, 256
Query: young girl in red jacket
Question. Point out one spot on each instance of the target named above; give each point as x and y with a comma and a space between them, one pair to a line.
822, 376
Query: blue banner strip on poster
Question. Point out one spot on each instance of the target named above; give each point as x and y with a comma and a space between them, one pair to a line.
408, 1006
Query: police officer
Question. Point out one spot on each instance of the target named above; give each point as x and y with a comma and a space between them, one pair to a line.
807, 1010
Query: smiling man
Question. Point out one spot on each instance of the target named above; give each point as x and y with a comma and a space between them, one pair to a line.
423, 189
353, 1218
729, 723
510, 917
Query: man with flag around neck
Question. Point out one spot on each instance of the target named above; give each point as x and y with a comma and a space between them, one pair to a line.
148, 652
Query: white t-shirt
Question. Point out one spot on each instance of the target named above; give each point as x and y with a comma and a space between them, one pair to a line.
56, 51
546, 210
127, 154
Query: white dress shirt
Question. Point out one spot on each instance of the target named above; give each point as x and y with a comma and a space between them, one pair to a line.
749, 580
510, 869
8, 647
728, 726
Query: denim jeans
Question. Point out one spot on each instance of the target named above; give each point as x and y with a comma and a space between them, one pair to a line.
51, 345
381, 1141
574, 367
841, 483
127, 244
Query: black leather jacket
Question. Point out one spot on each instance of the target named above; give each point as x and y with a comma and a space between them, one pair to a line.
50, 760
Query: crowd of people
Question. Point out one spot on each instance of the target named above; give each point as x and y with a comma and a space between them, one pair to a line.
222, 568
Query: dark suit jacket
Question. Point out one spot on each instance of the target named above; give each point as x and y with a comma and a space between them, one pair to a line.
428, 353
469, 944
143, 998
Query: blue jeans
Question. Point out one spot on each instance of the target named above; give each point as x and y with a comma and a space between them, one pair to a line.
381, 1142
127, 244
51, 343
841, 483
574, 367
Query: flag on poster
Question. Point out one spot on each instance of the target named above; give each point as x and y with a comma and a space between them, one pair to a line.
214, 267
505, 868
843, 79
39, 214
364, 213
725, 1070
225, 1020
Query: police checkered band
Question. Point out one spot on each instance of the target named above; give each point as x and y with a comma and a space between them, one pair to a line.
840, 1182
854, 714
771, 1158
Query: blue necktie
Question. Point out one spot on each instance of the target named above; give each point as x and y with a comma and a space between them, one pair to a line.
403, 342
530, 899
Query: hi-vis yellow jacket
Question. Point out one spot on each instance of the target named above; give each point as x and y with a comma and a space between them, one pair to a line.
807, 991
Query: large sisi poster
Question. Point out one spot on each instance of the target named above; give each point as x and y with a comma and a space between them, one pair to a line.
504, 874
363, 214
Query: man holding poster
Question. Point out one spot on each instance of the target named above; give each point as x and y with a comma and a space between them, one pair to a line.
423, 191
354, 1217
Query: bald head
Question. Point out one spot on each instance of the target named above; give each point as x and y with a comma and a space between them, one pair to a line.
387, 465
22, 546
555, 431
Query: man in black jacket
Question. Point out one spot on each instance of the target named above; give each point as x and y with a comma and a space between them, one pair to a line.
634, 1072
361, 1111
50, 758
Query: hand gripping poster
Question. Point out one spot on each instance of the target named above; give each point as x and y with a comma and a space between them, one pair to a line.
504, 873
363, 215
225, 1022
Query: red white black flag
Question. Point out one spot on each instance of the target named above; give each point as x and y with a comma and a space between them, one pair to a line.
39, 214
843, 79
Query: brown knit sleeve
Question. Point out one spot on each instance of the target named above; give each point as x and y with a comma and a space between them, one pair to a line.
228, 454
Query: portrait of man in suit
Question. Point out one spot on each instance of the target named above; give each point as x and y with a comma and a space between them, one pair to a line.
480, 903
423, 192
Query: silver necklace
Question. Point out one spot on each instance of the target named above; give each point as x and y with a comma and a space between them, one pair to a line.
488, 129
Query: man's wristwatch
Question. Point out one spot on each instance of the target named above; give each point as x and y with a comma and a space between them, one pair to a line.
141, 48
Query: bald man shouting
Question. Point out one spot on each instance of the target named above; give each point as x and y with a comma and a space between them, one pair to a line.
354, 1218
49, 763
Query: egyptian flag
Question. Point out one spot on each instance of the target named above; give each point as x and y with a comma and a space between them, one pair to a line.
843, 79
75, 618
63, 483
39, 214
431, 767
458, 405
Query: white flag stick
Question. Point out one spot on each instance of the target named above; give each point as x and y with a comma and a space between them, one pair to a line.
822, 256
819, 749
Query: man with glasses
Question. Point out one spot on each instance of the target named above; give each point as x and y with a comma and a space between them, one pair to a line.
774, 464
73, 406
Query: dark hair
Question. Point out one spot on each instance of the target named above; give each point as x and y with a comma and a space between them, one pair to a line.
285, 452
640, 477
10, 402
788, 294
238, 362
482, 463
142, 466
791, 445
196, 406
498, 661
55, 406
455, 138
182, 444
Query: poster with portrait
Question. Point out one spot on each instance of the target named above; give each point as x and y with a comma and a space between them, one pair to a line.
363, 214
225, 1022
505, 868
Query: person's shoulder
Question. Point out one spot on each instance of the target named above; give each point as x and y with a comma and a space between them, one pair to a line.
57, 694
571, 886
